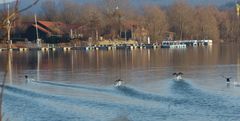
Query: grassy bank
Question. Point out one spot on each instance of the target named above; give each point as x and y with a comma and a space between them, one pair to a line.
71, 44
116, 42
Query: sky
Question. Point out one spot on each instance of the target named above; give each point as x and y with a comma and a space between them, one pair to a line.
194, 2
2, 1
142, 2
152, 1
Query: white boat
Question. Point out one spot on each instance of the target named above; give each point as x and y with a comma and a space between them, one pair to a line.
178, 46
173, 44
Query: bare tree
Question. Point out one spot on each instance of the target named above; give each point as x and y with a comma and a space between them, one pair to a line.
115, 12
181, 18
234, 27
70, 12
207, 23
92, 18
224, 25
155, 22
49, 10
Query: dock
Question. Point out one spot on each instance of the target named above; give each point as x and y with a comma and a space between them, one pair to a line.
164, 44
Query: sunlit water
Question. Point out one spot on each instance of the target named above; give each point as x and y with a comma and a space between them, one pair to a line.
78, 85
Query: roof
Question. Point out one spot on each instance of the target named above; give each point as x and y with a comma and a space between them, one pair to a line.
51, 24
53, 27
42, 29
56, 28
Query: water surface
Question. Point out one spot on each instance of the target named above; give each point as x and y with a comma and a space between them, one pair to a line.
78, 85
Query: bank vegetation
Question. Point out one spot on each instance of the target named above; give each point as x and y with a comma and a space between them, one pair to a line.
109, 18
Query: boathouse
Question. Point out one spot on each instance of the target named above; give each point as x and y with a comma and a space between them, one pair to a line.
1, 34
49, 32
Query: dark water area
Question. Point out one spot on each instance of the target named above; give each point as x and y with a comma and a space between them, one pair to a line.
78, 85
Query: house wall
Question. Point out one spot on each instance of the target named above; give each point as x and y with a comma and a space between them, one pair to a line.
31, 34
1, 34
126, 34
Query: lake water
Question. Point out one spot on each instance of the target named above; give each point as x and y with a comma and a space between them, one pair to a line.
78, 85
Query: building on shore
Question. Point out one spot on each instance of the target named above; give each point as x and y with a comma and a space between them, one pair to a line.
49, 32
1, 34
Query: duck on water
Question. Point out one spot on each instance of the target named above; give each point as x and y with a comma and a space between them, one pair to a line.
178, 76
28, 80
118, 83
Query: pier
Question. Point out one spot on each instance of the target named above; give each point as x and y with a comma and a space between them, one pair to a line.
164, 44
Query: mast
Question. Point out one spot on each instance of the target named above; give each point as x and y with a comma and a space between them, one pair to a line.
37, 40
9, 27
35, 16
117, 11
238, 15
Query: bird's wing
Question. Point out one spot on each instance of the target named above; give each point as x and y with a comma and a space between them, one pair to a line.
118, 80
223, 76
180, 73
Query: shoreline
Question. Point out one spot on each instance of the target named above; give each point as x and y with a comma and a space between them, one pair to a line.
94, 47
102, 45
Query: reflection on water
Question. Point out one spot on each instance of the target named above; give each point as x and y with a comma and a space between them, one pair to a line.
238, 69
38, 64
9, 68
92, 66
77, 85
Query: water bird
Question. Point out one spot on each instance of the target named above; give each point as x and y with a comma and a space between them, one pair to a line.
228, 81
178, 75
27, 79
118, 83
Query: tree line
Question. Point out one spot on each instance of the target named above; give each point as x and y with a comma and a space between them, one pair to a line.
110, 17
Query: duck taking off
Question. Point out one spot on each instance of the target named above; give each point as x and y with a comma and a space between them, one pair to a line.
228, 80
178, 76
118, 83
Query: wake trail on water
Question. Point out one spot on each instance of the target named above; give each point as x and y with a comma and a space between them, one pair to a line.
203, 99
122, 91
133, 93
61, 98
187, 96
75, 86
146, 106
78, 101
34, 99
39, 110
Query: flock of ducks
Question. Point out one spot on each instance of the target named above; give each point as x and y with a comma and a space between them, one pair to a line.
120, 82
178, 77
